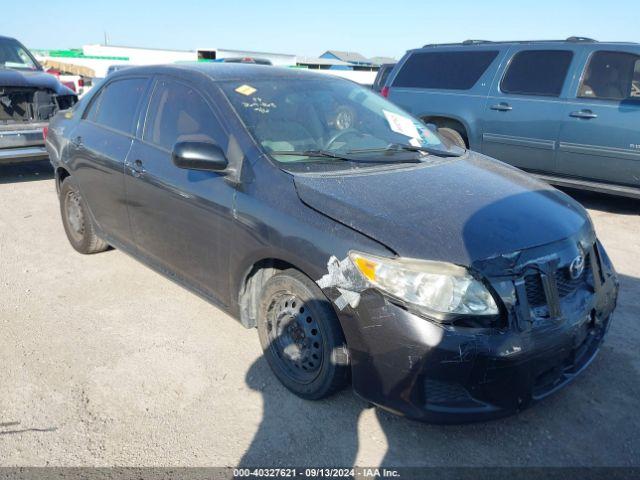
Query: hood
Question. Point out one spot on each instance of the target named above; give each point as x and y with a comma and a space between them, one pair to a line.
33, 79
459, 211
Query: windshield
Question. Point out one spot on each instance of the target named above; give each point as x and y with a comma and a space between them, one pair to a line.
329, 120
13, 55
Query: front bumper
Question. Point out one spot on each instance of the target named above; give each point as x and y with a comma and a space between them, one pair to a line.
20, 143
446, 374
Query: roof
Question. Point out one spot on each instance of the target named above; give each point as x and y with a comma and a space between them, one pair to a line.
350, 57
574, 40
224, 71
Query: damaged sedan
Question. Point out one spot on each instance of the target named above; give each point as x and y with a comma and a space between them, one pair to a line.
29, 97
442, 284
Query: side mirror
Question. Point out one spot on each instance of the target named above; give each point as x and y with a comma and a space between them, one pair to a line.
199, 156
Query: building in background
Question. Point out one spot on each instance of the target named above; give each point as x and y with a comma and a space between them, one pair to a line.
94, 60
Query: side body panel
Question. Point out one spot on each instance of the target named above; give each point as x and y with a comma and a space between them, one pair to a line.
181, 220
522, 130
96, 157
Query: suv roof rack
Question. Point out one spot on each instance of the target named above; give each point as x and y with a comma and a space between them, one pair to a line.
483, 42
581, 39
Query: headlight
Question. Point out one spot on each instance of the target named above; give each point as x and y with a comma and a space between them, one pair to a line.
436, 286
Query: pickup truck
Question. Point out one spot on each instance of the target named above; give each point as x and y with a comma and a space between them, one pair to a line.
29, 97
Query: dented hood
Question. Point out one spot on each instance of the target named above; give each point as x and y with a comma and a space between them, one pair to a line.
31, 79
460, 211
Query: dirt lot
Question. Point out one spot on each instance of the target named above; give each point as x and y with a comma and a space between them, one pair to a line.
104, 362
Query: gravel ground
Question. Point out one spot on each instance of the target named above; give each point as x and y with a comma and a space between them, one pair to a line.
104, 362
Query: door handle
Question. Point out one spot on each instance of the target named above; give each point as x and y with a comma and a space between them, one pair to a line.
502, 107
137, 168
77, 141
586, 114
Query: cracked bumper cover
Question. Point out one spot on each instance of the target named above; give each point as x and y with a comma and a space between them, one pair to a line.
416, 367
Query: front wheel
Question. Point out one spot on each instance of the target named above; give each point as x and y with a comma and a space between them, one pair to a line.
77, 223
301, 337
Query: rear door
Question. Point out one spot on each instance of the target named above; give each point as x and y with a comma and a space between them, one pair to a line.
523, 112
600, 135
181, 219
99, 146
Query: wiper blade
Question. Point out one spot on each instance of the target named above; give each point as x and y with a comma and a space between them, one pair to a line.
345, 157
399, 147
310, 153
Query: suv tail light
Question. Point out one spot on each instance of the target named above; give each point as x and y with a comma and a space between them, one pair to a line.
81, 82
45, 132
385, 91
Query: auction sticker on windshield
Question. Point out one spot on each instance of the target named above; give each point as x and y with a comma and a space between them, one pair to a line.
245, 90
401, 124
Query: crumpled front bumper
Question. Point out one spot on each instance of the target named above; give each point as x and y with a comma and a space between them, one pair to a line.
419, 368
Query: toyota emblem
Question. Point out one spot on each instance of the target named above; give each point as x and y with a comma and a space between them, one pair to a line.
576, 267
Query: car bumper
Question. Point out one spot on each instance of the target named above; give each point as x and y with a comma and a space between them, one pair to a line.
22, 143
420, 369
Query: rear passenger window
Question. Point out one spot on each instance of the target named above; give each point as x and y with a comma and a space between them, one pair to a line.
611, 76
537, 72
117, 104
445, 70
178, 113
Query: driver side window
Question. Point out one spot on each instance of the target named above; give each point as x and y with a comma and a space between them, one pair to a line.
178, 113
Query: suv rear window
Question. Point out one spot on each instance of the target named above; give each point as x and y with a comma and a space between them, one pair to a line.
537, 72
611, 76
445, 70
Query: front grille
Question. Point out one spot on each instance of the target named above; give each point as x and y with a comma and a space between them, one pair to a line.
438, 392
566, 285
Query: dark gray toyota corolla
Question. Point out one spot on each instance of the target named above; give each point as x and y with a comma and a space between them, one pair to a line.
446, 286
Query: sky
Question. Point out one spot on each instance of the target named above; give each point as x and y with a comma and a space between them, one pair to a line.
385, 28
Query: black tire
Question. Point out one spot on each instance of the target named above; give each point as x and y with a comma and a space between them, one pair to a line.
301, 337
77, 222
453, 136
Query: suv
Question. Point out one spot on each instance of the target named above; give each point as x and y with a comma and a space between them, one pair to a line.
28, 98
381, 77
567, 111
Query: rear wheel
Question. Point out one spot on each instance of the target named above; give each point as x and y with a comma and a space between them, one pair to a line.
301, 337
453, 136
77, 222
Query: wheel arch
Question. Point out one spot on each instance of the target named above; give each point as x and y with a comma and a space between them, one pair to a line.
60, 174
457, 124
253, 277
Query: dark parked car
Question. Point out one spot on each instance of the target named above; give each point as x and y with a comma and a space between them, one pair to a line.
28, 98
445, 285
568, 111
382, 75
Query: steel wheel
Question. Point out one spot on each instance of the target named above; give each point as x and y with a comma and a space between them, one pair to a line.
76, 219
74, 214
301, 336
294, 337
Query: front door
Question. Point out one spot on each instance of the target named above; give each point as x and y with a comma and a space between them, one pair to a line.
181, 219
523, 111
600, 136
99, 146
